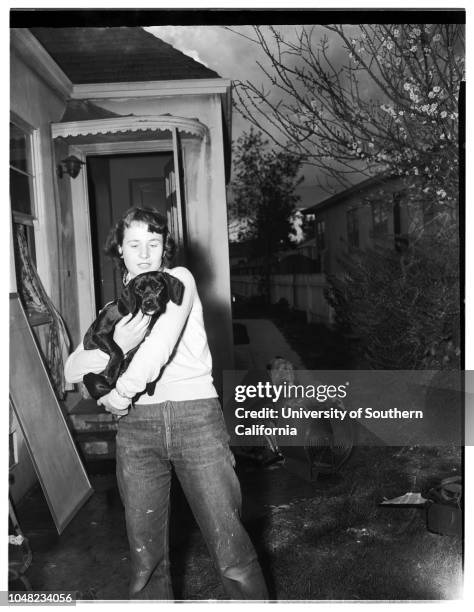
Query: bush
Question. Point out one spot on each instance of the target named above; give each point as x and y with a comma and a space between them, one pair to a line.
403, 307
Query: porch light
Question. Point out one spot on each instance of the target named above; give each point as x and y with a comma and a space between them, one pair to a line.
71, 165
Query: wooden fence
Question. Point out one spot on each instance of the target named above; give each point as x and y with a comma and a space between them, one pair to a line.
301, 291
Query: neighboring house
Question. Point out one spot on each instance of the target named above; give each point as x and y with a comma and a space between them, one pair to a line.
370, 213
151, 126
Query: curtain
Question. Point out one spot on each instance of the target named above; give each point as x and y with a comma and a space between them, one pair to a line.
36, 301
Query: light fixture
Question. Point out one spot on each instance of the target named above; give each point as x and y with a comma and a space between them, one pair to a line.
71, 165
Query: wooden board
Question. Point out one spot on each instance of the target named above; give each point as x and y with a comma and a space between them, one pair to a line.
68, 295
52, 450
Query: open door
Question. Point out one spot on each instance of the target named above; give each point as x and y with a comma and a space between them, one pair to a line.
115, 184
122, 135
119, 182
175, 203
68, 293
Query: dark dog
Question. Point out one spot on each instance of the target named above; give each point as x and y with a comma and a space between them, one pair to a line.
148, 292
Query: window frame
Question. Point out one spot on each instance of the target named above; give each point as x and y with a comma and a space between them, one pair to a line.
353, 227
35, 222
23, 218
27, 130
320, 235
380, 228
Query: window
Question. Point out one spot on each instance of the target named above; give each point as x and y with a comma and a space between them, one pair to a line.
379, 219
321, 235
21, 184
353, 227
401, 240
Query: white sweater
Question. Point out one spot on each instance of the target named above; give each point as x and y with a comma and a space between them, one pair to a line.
177, 344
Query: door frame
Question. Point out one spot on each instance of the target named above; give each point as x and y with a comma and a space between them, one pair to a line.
81, 216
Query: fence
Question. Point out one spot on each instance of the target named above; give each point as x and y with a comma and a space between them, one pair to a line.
301, 291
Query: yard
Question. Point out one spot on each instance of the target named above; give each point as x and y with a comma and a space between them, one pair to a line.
332, 541
337, 542
324, 540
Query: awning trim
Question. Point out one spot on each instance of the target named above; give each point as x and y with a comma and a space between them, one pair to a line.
117, 125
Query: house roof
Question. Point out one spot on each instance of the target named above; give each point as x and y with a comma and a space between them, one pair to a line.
342, 195
85, 110
117, 55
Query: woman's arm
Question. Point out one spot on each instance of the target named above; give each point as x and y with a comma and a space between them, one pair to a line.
157, 348
83, 361
128, 333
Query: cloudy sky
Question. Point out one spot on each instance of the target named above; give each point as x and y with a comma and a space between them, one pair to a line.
232, 55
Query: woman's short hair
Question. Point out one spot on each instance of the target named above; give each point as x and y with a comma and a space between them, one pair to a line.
156, 224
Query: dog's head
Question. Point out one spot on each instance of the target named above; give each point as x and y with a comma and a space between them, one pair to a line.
150, 292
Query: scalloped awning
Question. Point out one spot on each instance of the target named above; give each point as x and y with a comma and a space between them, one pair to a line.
125, 128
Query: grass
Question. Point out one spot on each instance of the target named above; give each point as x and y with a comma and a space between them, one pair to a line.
328, 540
351, 548
340, 544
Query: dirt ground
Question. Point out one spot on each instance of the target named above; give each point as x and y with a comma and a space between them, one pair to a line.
328, 540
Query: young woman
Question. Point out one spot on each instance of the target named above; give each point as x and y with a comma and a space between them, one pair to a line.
181, 424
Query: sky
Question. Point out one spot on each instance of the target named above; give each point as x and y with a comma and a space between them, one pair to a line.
232, 55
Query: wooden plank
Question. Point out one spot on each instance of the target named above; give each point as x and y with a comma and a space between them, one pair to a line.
69, 298
52, 450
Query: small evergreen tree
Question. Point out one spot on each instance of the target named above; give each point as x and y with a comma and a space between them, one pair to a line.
263, 196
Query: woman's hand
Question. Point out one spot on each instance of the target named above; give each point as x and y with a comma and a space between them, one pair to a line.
114, 403
129, 332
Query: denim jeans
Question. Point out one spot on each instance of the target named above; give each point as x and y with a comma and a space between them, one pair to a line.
192, 436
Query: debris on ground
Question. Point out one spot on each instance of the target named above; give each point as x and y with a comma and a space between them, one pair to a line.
409, 499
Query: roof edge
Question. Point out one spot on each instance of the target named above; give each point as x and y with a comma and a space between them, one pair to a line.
38, 59
141, 89
334, 199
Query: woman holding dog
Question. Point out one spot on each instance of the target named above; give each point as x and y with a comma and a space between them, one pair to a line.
181, 424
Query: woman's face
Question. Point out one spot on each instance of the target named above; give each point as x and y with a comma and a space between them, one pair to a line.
142, 250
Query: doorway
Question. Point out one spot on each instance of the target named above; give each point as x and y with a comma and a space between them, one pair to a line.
116, 183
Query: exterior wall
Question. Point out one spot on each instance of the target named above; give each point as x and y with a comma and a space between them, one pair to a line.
37, 104
335, 218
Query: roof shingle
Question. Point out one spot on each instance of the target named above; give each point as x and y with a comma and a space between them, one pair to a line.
117, 55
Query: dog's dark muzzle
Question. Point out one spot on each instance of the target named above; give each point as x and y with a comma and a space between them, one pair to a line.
151, 305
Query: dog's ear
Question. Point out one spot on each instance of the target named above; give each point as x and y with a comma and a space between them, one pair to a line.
175, 288
127, 301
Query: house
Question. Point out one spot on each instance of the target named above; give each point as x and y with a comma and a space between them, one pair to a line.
372, 212
102, 119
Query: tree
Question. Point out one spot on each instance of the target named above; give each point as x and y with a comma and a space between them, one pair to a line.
263, 195
389, 107
263, 192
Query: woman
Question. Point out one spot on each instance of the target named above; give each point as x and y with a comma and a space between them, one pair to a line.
180, 424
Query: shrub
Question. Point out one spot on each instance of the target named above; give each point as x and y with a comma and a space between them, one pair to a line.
404, 307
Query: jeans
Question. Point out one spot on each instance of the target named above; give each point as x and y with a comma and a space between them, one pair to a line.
192, 436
